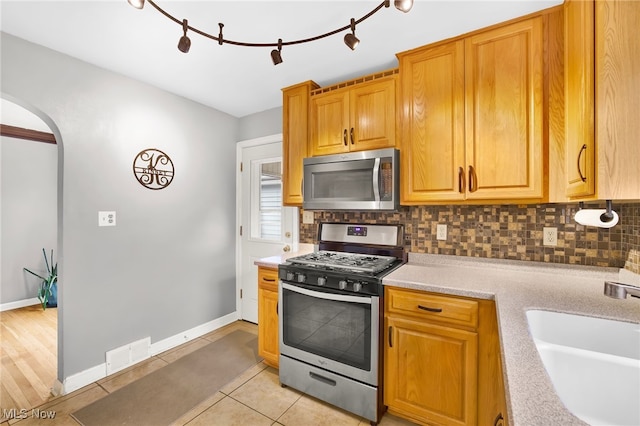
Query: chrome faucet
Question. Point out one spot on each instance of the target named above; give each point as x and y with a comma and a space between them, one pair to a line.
620, 291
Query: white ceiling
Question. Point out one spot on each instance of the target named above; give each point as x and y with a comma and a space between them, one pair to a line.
142, 44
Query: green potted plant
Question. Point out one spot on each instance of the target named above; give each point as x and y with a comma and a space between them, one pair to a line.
48, 292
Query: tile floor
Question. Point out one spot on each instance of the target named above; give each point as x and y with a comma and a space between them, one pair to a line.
255, 398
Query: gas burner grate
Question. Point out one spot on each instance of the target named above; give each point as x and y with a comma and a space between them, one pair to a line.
349, 261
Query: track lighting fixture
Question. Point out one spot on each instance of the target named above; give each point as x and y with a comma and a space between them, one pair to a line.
276, 57
350, 39
138, 4
403, 5
184, 44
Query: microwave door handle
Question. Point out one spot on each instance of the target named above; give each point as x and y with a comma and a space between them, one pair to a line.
376, 179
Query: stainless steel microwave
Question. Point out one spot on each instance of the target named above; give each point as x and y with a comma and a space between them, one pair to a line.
365, 180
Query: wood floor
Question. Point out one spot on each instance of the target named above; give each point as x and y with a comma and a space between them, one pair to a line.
28, 348
254, 398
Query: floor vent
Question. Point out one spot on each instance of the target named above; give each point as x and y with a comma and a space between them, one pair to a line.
127, 355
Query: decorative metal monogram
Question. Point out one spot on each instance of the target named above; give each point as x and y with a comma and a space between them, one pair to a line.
153, 168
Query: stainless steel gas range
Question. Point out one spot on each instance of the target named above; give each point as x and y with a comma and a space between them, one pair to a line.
331, 314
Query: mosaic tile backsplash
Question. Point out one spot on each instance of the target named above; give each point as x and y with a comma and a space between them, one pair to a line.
507, 232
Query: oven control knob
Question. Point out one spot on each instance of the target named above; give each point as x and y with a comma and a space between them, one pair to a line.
290, 276
342, 284
301, 278
322, 280
357, 287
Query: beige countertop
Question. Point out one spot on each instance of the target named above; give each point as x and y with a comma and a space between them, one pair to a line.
274, 261
516, 287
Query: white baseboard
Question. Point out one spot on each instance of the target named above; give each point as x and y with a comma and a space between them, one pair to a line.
184, 337
84, 378
93, 374
58, 388
19, 304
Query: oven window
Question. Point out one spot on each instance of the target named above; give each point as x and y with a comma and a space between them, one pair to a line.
337, 330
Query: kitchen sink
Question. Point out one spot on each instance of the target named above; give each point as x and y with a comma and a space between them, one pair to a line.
593, 363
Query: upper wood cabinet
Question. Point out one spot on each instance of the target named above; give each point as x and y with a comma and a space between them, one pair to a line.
295, 139
432, 144
472, 117
579, 68
504, 71
354, 118
601, 99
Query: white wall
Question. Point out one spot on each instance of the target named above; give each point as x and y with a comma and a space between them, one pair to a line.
29, 215
168, 265
264, 123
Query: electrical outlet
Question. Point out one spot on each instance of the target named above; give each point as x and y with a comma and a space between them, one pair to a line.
441, 232
550, 236
106, 218
307, 217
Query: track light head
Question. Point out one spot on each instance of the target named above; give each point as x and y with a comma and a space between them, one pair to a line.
276, 57
138, 4
184, 44
350, 39
403, 5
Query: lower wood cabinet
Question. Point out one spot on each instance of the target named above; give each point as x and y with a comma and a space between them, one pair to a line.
268, 339
442, 359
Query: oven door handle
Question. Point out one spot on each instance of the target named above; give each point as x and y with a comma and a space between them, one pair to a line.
327, 296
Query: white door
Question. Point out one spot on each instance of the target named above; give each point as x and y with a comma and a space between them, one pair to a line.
267, 228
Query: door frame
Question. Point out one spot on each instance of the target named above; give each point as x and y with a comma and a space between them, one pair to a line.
295, 234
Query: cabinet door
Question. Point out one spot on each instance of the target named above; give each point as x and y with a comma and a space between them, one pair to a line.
504, 100
432, 118
268, 340
579, 97
330, 123
618, 99
295, 138
431, 372
372, 115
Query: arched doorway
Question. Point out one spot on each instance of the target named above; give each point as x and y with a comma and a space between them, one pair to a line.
29, 222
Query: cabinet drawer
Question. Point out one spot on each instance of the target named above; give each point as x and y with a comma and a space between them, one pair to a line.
446, 309
268, 278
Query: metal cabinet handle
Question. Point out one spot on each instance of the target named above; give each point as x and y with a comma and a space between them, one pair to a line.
390, 336
460, 180
351, 135
269, 280
499, 420
277, 310
426, 308
286, 248
473, 180
583, 149
344, 137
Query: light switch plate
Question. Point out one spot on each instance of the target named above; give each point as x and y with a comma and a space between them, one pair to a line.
307, 217
441, 232
106, 218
